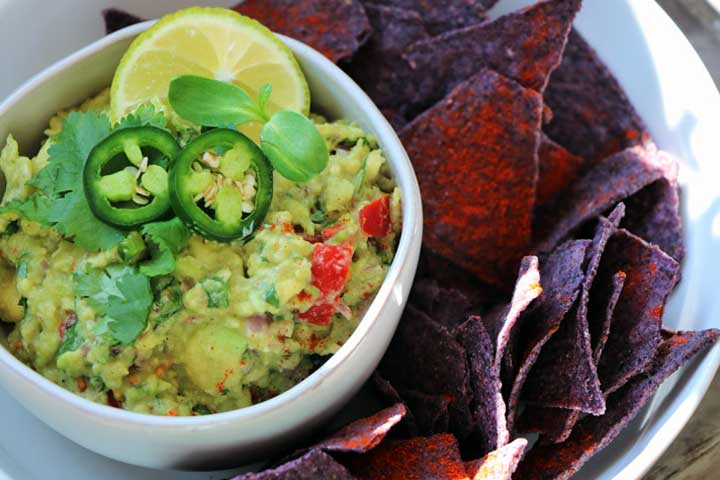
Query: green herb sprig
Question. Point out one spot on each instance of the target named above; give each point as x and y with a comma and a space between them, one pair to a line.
291, 142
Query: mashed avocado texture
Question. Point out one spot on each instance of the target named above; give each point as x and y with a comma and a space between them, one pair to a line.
229, 324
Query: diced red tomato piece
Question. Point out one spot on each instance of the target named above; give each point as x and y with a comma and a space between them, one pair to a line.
375, 217
331, 267
319, 314
330, 271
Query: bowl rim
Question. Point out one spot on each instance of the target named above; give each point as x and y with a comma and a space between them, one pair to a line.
410, 236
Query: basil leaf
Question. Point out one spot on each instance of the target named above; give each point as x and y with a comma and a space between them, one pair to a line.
212, 103
294, 146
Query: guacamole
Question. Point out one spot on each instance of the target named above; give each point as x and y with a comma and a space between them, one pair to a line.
166, 321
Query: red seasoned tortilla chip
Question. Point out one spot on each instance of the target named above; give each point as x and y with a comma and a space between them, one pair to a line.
378, 67
497, 465
425, 357
558, 169
442, 16
592, 116
336, 28
420, 458
475, 154
653, 214
525, 46
561, 275
592, 434
635, 333
607, 183
364, 434
311, 466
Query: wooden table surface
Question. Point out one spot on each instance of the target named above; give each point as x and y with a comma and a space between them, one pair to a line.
695, 454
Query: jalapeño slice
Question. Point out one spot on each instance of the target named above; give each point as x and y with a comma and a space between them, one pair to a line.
221, 185
126, 176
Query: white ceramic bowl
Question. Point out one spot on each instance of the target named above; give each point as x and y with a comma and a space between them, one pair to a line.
232, 438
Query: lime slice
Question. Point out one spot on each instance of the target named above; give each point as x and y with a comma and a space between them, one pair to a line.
215, 43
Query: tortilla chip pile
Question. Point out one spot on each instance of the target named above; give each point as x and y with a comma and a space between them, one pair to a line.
552, 240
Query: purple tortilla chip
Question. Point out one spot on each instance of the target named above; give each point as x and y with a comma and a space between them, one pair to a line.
364, 434
602, 307
433, 267
561, 276
487, 405
475, 155
592, 116
501, 324
593, 312
311, 466
525, 46
335, 28
635, 333
390, 396
565, 375
497, 465
447, 306
653, 214
431, 412
378, 67
556, 425
116, 19
607, 183
424, 356
440, 17
592, 434
558, 168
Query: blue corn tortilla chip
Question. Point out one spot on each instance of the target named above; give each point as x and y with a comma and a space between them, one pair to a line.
474, 151
592, 434
378, 67
653, 214
447, 306
363, 434
592, 116
439, 17
556, 423
499, 464
500, 324
525, 46
425, 357
487, 405
635, 333
116, 19
419, 458
610, 181
561, 276
425, 414
558, 168
335, 28
311, 466
603, 301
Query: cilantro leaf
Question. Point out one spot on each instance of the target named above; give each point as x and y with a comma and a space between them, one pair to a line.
120, 295
168, 239
81, 131
144, 115
60, 200
71, 341
73, 218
